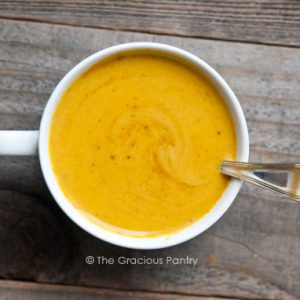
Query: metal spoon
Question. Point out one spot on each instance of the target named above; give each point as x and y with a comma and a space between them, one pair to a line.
283, 178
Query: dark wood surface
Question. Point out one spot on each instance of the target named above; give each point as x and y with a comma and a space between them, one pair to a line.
263, 21
33, 291
251, 253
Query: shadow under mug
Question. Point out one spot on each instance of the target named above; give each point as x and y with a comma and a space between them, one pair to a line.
28, 142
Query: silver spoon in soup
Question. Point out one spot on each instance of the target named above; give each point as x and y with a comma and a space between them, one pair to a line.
283, 178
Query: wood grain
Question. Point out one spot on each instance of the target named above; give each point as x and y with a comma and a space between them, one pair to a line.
260, 21
251, 253
32, 291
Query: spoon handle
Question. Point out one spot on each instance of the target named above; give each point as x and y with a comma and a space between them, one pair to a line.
283, 178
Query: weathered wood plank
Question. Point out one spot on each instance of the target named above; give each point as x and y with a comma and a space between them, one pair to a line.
252, 253
32, 291
262, 21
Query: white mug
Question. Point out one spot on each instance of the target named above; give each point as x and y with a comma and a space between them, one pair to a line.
28, 142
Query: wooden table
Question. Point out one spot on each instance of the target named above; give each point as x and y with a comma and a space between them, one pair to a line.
253, 252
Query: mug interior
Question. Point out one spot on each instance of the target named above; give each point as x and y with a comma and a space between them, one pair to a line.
157, 241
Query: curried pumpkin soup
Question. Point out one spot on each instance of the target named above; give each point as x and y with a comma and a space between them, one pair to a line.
136, 143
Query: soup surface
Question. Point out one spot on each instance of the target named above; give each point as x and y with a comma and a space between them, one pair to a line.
136, 143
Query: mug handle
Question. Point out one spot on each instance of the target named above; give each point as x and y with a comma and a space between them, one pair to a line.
19, 142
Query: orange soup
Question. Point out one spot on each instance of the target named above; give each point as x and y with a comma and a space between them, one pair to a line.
136, 143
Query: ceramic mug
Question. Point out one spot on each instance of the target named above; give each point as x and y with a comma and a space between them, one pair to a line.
28, 142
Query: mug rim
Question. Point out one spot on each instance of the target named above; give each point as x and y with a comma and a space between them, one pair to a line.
151, 242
